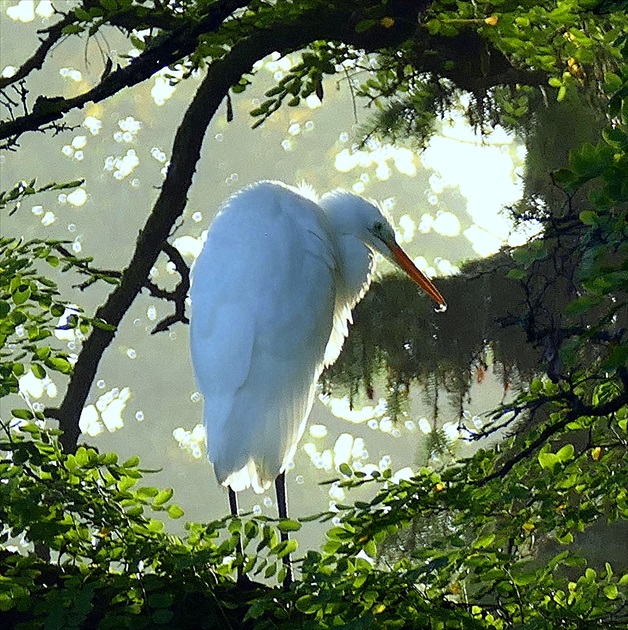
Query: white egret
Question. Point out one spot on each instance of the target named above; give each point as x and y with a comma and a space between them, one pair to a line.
272, 294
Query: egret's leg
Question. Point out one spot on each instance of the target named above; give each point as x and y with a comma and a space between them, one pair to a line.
233, 507
282, 508
233, 502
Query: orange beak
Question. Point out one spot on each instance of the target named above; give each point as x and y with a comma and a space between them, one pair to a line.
418, 277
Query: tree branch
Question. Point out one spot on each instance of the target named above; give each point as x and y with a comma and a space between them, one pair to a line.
177, 296
577, 410
176, 45
36, 61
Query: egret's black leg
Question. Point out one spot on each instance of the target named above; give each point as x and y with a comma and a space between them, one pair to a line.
233, 507
282, 508
233, 502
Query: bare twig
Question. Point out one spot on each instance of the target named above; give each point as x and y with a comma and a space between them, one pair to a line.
178, 296
36, 60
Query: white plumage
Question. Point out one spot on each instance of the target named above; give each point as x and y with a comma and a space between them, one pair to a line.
272, 294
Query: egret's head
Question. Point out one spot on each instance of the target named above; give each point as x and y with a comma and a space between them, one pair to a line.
353, 215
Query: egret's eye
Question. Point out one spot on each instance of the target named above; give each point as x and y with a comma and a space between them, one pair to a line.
378, 227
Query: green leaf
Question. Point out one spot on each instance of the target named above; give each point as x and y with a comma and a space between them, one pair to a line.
484, 541
134, 510
516, 274
523, 579
102, 324
38, 370
147, 492
285, 547
18, 369
371, 549
364, 25
21, 294
72, 29
288, 525
43, 352
174, 511
612, 83
81, 14
345, 469
307, 604
163, 497
338, 533
271, 569
588, 217
611, 591
565, 453
547, 460
22, 414
60, 364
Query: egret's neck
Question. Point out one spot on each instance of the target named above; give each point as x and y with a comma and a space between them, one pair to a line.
356, 266
355, 259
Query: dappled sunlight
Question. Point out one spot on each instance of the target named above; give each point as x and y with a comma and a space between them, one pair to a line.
106, 413
192, 442
32, 386
342, 408
378, 156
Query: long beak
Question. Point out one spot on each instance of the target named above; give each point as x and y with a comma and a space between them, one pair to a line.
404, 262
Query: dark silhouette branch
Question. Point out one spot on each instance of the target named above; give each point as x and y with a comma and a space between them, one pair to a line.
175, 46
577, 409
36, 60
177, 296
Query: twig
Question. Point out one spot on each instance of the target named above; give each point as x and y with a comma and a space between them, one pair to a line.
178, 296
176, 45
36, 61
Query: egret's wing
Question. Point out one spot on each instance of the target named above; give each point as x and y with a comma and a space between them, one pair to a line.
262, 311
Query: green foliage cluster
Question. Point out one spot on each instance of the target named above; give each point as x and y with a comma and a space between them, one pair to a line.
563, 45
30, 302
108, 561
490, 542
470, 546
457, 47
